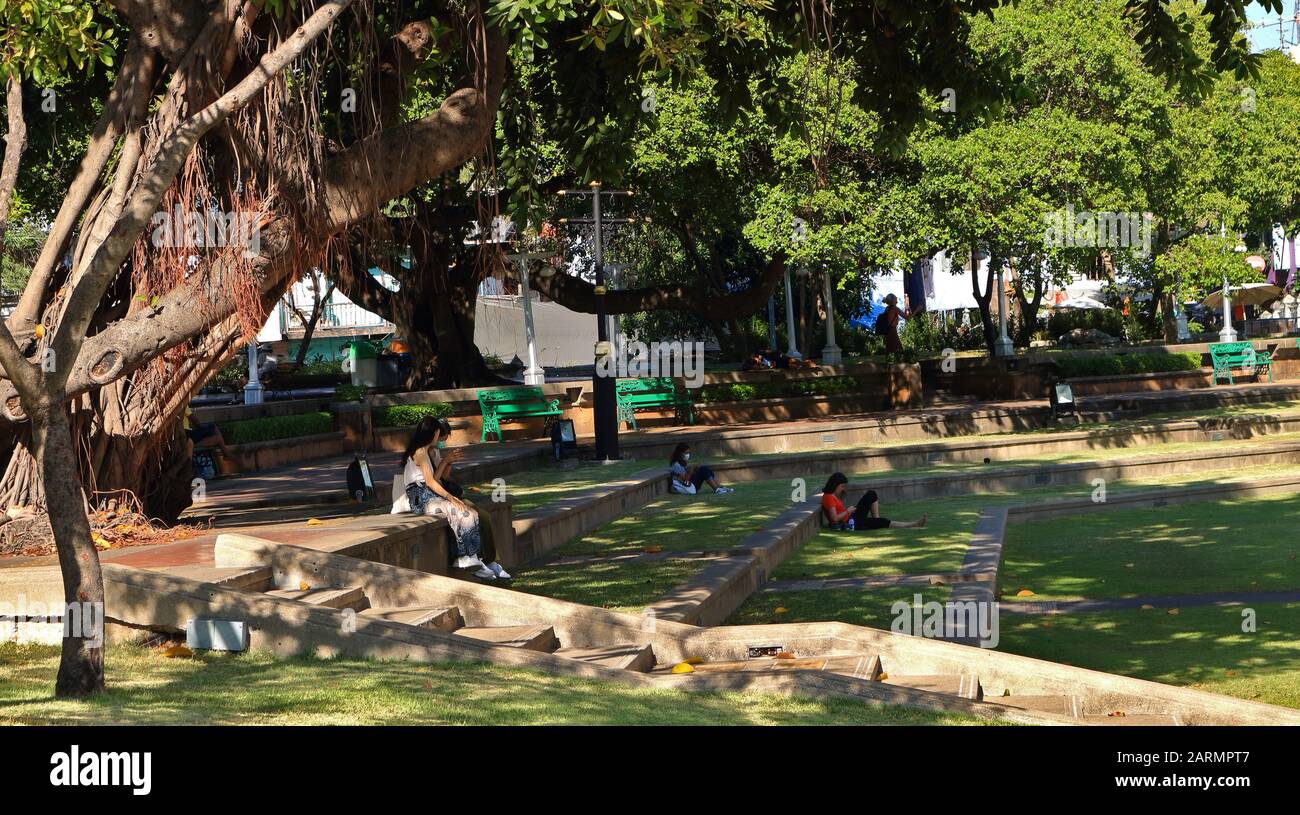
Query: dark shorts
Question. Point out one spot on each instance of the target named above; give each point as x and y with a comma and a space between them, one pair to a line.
862, 516
701, 475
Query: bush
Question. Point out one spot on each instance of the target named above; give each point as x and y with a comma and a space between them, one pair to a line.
409, 415
350, 393
1116, 365
1066, 320
744, 392
270, 428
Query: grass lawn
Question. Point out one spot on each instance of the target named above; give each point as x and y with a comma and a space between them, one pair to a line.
868, 607
688, 523
147, 688
535, 488
1200, 647
622, 586
1245, 544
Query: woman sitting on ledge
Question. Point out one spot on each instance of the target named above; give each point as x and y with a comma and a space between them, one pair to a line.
688, 478
427, 496
866, 515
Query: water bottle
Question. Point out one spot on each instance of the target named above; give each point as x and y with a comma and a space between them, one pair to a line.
850, 524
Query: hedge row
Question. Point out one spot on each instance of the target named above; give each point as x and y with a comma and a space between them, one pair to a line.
270, 428
743, 391
409, 415
1115, 365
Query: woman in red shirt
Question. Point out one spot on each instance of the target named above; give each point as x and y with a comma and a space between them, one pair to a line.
866, 515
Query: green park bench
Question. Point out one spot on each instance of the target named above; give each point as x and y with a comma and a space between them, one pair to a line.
512, 404
1229, 355
653, 393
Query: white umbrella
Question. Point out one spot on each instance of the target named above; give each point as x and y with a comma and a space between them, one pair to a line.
1080, 302
1249, 294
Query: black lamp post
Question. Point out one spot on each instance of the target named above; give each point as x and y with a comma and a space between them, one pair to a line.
603, 383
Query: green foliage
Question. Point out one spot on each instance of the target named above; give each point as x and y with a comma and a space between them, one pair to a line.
1199, 265
1118, 364
1065, 320
409, 415
43, 39
270, 428
813, 386
350, 393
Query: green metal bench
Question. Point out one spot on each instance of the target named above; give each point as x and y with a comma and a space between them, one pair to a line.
1229, 355
653, 393
512, 404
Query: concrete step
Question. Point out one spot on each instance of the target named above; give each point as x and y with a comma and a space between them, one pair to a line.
353, 597
1132, 720
242, 578
1060, 705
967, 686
639, 658
531, 637
442, 619
861, 666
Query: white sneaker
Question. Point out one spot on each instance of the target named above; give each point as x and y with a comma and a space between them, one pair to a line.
469, 562
498, 571
723, 490
484, 573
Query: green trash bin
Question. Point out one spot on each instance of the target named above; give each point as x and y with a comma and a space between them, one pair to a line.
363, 363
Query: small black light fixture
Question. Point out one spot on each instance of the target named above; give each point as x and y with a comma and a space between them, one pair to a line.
1061, 396
563, 438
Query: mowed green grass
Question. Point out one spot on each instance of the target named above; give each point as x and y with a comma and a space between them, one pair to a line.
146, 688
554, 482
874, 608
622, 586
1246, 544
1200, 647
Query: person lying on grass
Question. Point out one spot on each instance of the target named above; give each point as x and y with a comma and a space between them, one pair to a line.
866, 515
427, 496
687, 478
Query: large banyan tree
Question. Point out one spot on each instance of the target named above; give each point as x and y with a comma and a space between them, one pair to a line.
244, 142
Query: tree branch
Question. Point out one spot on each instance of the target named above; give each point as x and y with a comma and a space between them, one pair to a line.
578, 295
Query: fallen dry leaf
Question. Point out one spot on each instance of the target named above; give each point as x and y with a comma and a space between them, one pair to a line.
314, 522
177, 651
1024, 593
683, 668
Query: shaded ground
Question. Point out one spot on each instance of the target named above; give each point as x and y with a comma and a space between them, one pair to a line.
147, 688
1246, 544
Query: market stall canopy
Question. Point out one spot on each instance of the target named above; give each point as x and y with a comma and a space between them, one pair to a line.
1249, 294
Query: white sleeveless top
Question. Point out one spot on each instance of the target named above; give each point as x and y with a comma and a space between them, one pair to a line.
412, 474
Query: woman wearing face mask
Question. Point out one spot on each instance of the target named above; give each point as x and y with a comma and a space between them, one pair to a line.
427, 496
866, 515
688, 478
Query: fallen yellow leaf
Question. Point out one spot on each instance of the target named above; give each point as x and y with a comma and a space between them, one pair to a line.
314, 522
177, 651
780, 610
694, 660
1172, 611
39, 331
882, 677
1147, 606
683, 668
1024, 593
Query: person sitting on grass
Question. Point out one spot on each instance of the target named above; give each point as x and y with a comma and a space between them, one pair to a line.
688, 478
427, 496
866, 515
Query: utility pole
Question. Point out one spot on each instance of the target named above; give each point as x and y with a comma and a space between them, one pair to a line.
603, 382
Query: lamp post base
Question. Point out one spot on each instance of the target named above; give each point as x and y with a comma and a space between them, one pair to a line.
535, 376
1004, 347
832, 355
1228, 334
253, 394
